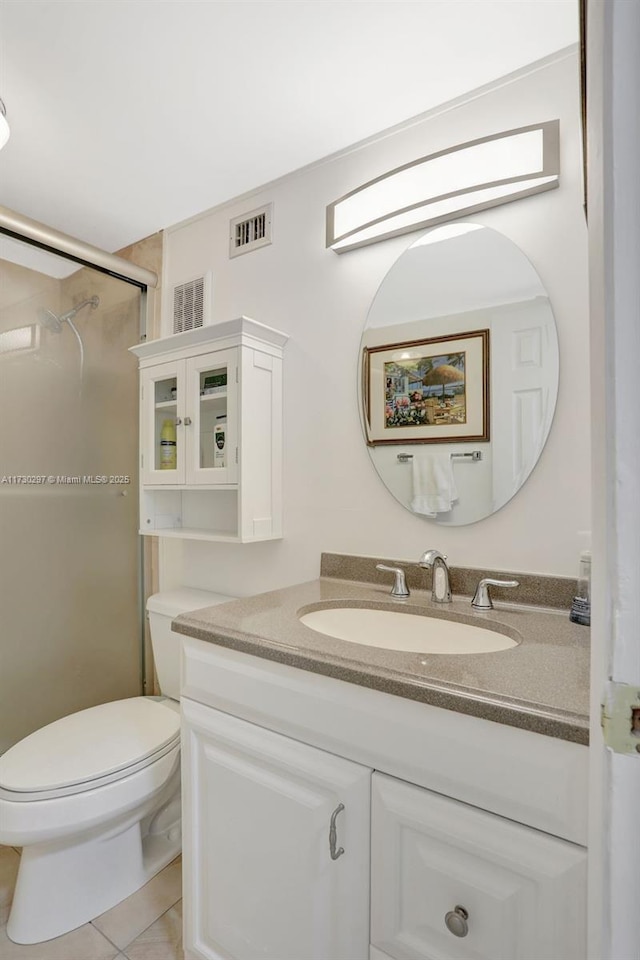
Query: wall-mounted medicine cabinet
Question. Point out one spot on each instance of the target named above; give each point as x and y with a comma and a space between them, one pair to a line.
211, 433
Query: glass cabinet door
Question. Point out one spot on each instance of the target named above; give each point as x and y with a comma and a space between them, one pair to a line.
211, 422
163, 423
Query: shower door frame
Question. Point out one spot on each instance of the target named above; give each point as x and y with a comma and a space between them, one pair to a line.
39, 235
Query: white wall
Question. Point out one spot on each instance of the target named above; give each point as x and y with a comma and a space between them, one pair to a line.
334, 500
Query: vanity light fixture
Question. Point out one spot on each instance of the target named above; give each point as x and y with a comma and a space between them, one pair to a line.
446, 185
4, 126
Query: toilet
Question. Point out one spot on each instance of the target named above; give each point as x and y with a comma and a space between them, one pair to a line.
93, 799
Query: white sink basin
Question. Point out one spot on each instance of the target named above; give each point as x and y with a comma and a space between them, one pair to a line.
409, 632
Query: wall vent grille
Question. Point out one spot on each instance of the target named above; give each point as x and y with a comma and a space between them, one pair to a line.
250, 231
188, 305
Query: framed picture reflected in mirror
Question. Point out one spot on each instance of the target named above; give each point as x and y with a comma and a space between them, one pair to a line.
428, 391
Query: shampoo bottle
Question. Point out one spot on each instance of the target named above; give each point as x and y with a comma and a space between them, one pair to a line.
220, 442
168, 446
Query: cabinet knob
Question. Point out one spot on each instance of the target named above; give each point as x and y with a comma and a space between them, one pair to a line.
456, 921
178, 421
187, 421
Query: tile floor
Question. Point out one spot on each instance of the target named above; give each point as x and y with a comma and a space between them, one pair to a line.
146, 926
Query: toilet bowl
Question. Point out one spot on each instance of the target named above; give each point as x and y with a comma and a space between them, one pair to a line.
93, 799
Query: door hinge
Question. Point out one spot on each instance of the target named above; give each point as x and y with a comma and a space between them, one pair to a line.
620, 718
142, 459
236, 374
236, 454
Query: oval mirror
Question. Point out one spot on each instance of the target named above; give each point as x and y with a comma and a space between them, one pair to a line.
459, 373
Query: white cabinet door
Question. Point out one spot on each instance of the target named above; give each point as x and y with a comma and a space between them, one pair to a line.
162, 406
266, 876
523, 892
211, 384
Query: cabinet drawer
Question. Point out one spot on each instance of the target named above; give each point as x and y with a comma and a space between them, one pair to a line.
524, 892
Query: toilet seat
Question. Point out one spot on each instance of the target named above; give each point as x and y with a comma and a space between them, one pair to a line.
90, 748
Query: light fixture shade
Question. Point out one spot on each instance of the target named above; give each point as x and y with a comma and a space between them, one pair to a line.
4, 126
443, 186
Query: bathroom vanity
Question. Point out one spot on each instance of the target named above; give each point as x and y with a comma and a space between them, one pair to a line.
344, 802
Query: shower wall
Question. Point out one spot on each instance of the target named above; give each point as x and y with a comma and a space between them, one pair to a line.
69, 556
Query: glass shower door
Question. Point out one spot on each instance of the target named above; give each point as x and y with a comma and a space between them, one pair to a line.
70, 627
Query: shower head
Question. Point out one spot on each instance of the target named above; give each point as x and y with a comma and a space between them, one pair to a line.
53, 322
49, 320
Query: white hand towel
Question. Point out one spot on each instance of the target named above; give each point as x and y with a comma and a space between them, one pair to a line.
434, 486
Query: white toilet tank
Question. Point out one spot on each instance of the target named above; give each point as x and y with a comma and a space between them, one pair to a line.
163, 608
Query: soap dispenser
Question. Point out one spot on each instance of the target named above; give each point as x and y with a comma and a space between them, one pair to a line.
581, 606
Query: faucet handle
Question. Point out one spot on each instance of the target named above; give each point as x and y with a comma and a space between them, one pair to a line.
482, 597
399, 588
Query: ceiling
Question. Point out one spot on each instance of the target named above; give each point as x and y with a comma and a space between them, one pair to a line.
130, 115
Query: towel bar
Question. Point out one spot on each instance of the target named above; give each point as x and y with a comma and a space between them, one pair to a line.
472, 455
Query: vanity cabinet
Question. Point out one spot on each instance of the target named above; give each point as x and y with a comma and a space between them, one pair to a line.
276, 844
211, 433
463, 838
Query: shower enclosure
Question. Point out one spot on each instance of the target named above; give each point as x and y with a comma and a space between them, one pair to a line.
70, 612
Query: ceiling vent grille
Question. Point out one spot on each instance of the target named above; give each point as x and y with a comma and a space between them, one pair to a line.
189, 305
250, 231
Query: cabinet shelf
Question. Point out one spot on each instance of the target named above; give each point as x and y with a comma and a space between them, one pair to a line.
193, 533
166, 405
211, 397
220, 394
151, 487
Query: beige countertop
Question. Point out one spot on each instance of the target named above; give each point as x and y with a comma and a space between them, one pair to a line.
542, 684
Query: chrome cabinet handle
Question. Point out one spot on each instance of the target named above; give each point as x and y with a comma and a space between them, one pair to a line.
178, 421
187, 421
456, 921
333, 834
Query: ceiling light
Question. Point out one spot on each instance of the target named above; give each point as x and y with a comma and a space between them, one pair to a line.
443, 186
4, 126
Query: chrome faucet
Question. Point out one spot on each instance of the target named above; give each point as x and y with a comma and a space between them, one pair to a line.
440, 580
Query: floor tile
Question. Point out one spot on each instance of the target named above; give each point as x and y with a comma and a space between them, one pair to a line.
163, 939
127, 920
9, 861
85, 943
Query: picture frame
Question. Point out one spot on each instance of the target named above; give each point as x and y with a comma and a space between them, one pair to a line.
434, 390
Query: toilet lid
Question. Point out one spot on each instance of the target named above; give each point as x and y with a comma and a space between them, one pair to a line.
89, 745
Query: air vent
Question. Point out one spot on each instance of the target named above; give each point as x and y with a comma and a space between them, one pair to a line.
189, 304
250, 231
